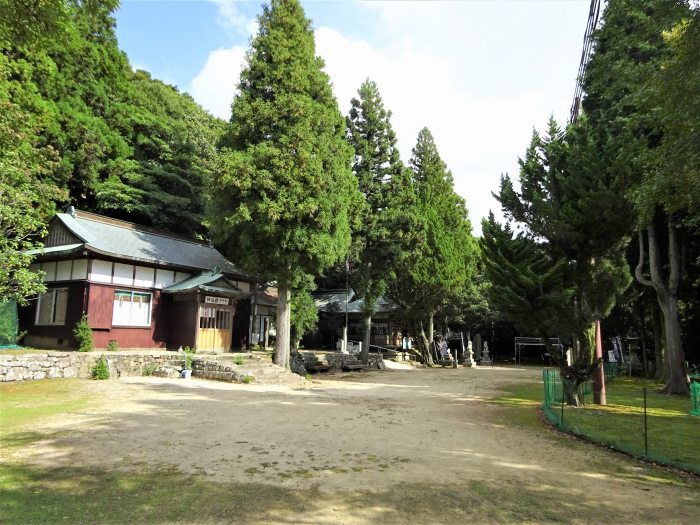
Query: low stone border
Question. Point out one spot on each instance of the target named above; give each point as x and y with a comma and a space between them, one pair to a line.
334, 360
49, 365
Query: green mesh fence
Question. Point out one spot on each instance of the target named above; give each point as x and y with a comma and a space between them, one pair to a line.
637, 420
8, 324
695, 398
556, 391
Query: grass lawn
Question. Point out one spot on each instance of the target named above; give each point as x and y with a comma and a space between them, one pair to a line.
673, 436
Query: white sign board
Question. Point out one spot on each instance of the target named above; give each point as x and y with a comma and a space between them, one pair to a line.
208, 299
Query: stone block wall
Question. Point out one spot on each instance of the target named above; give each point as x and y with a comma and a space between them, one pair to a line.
335, 360
217, 370
49, 365
45, 366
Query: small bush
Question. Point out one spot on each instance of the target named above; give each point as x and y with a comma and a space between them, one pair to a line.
247, 379
308, 377
149, 369
83, 335
188, 357
238, 360
101, 369
112, 345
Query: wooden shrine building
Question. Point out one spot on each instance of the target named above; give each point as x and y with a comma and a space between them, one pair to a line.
138, 286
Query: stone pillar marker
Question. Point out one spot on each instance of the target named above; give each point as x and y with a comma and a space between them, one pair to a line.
469, 356
486, 356
477, 347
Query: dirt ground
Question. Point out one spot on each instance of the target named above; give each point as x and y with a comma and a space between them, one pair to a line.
414, 446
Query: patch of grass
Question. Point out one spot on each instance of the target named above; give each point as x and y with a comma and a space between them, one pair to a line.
26, 351
672, 433
28, 401
520, 403
33, 495
238, 360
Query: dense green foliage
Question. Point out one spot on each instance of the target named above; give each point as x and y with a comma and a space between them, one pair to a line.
283, 189
116, 141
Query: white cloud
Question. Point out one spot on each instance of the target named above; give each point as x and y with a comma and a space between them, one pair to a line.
232, 19
215, 84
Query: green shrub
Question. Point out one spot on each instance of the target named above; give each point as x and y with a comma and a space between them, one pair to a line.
101, 369
83, 335
238, 360
149, 369
112, 345
247, 379
188, 357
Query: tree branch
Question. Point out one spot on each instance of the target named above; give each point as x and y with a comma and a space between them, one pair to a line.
673, 257
639, 270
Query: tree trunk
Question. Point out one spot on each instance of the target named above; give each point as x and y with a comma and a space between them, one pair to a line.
661, 368
283, 325
366, 338
424, 346
666, 294
431, 328
677, 381
643, 340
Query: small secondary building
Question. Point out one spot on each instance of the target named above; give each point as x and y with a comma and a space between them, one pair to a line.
334, 305
138, 286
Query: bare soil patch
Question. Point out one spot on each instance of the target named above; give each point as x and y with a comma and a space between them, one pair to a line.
418, 446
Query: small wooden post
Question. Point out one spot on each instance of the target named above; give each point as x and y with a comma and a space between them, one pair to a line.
599, 373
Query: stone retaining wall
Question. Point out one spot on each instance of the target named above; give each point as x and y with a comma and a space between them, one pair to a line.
335, 360
23, 367
217, 370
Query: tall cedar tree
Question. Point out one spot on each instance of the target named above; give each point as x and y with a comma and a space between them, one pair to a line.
629, 49
282, 193
441, 261
376, 162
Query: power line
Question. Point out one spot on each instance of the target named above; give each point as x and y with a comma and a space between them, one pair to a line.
593, 18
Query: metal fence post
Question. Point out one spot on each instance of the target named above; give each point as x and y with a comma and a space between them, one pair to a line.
646, 447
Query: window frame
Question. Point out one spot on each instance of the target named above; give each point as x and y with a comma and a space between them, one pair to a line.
132, 293
52, 292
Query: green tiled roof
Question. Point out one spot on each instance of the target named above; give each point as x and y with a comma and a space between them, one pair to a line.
207, 282
126, 240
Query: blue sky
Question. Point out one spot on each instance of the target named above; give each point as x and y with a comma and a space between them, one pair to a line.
479, 74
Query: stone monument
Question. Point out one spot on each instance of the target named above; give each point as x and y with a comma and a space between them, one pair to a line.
486, 356
469, 356
477, 347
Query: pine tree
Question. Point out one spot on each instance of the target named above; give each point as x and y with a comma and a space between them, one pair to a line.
569, 201
376, 162
281, 198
